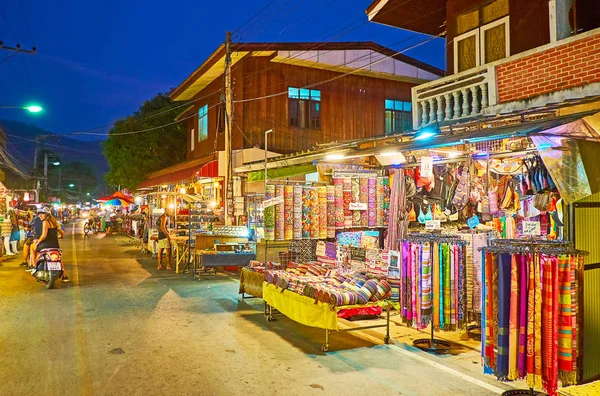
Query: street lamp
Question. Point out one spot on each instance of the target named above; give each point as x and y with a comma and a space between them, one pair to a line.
33, 108
71, 185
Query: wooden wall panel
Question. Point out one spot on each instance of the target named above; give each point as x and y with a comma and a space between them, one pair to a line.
352, 107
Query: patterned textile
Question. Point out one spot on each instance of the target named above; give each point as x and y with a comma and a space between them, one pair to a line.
297, 212
306, 213
504, 288
491, 263
382, 187
364, 198
322, 199
534, 325
356, 198
372, 202
523, 294
426, 285
549, 324
288, 204
338, 185
405, 285
479, 240
347, 200
459, 256
435, 254
514, 318
453, 288
269, 214
447, 281
279, 215
565, 333
330, 212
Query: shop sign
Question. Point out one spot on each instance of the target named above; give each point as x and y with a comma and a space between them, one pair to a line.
426, 167
358, 206
354, 173
267, 203
532, 228
432, 225
473, 221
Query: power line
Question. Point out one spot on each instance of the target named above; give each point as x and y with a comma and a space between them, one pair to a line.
26, 23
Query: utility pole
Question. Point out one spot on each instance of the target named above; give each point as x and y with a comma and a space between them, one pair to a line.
228, 127
18, 48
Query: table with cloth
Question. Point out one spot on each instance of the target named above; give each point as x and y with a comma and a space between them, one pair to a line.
251, 282
306, 311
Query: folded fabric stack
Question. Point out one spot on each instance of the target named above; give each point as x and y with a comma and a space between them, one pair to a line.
329, 286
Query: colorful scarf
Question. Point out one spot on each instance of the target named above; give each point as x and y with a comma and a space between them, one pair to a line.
440, 309
460, 260
523, 294
417, 280
490, 269
565, 322
453, 288
426, 285
504, 288
436, 286
405, 292
514, 318
534, 325
550, 324
447, 302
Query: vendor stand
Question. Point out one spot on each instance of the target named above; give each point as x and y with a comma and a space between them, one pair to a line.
225, 246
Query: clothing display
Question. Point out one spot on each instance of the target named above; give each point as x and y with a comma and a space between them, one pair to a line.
530, 321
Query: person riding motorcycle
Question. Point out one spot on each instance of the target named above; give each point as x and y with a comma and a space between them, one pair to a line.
51, 232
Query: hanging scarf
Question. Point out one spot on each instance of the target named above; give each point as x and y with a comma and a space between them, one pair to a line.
490, 269
550, 324
565, 322
523, 294
459, 258
575, 264
504, 287
436, 285
416, 308
484, 326
453, 283
440, 310
446, 260
514, 318
426, 285
403, 284
534, 325
409, 285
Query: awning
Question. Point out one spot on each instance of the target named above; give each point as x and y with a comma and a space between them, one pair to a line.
278, 173
205, 167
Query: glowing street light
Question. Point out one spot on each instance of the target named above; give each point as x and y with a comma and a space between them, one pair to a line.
33, 108
71, 185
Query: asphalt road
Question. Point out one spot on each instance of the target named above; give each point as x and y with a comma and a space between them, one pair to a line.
121, 327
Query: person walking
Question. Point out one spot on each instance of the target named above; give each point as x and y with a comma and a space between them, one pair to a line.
164, 241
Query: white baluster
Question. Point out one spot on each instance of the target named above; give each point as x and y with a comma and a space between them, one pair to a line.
424, 113
440, 108
456, 95
484, 96
465, 102
474, 101
448, 106
431, 110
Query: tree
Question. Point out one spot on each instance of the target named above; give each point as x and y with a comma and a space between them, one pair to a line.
132, 156
72, 181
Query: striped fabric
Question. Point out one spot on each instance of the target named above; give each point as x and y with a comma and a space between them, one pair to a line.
426, 297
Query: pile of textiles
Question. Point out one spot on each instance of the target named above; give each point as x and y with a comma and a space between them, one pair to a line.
330, 287
433, 286
531, 317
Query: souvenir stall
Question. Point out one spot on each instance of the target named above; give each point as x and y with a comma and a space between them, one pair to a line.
334, 232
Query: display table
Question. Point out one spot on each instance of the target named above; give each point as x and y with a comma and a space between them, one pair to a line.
305, 311
251, 282
211, 261
181, 250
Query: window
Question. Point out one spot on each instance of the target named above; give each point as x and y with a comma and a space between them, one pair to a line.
193, 140
482, 36
304, 107
398, 116
203, 123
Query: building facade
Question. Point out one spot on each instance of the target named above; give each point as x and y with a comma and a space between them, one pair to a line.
308, 93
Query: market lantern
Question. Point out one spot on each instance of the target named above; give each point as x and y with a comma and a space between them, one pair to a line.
26, 197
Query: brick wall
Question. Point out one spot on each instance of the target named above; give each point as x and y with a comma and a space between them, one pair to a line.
556, 69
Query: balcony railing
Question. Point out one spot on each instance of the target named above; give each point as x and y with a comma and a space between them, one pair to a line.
454, 97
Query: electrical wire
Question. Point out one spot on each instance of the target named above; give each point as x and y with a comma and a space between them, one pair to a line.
26, 23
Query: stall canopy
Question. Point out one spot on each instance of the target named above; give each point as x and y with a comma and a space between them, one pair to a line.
119, 196
204, 167
278, 173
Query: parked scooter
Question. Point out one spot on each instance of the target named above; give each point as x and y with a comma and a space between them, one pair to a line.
49, 266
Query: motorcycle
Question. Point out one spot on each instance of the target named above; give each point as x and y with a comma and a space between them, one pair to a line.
49, 266
91, 225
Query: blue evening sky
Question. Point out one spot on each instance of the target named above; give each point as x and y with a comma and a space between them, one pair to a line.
97, 61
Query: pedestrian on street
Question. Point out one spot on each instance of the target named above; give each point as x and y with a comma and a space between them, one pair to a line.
107, 222
164, 241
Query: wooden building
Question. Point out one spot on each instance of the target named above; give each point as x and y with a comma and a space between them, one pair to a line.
308, 93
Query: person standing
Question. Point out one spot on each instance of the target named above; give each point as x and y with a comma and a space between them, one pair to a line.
15, 236
164, 241
107, 222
